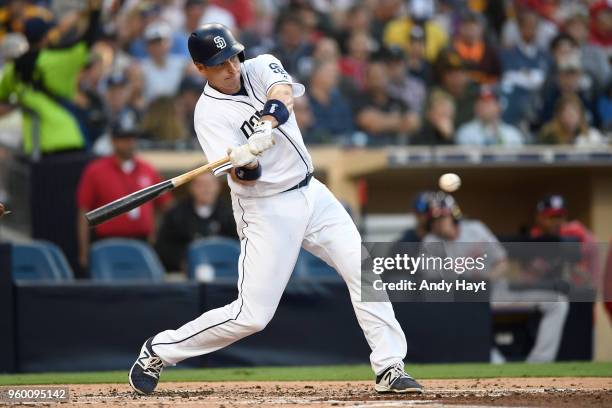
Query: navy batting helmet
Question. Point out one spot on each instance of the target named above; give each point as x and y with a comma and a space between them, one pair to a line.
211, 44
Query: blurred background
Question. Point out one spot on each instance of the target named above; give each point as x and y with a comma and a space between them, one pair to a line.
97, 101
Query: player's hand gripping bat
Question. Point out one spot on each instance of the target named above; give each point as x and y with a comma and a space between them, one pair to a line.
138, 198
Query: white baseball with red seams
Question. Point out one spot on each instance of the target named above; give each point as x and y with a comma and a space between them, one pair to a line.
273, 224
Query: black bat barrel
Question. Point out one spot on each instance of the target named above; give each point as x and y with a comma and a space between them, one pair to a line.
127, 203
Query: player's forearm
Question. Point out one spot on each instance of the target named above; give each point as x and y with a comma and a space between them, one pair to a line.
284, 94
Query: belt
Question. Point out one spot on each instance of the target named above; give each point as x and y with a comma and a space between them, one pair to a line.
301, 184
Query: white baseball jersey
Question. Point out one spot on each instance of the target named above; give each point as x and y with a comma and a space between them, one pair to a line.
273, 225
223, 121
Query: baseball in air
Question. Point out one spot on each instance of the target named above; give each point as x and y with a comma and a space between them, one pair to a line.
449, 182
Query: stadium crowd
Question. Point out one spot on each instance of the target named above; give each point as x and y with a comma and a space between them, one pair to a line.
379, 72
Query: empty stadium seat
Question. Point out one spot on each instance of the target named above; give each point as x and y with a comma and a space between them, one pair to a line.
60, 260
211, 258
33, 262
118, 259
310, 266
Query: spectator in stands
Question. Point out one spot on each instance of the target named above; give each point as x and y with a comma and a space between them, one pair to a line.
418, 65
43, 83
593, 58
305, 120
604, 109
420, 207
525, 67
479, 56
162, 122
189, 92
14, 14
293, 47
569, 125
357, 19
551, 223
398, 31
385, 119
601, 25
454, 79
243, 11
162, 72
202, 214
117, 96
488, 128
383, 12
355, 63
439, 124
472, 238
543, 31
109, 178
402, 85
569, 79
331, 111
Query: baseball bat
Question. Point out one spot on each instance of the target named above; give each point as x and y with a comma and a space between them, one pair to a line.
138, 198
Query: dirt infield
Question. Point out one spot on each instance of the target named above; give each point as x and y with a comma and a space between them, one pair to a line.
515, 392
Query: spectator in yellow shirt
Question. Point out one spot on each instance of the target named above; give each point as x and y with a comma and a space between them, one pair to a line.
397, 32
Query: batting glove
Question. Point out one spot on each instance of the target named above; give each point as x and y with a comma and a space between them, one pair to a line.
241, 156
261, 139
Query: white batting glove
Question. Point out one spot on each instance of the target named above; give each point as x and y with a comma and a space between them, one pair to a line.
241, 156
261, 139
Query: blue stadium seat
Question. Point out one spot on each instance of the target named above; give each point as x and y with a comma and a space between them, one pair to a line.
118, 259
310, 266
60, 260
33, 262
218, 254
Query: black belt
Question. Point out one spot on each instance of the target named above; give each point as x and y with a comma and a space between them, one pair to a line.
301, 184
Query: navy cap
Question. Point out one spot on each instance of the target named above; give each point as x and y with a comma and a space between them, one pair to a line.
552, 206
125, 126
36, 29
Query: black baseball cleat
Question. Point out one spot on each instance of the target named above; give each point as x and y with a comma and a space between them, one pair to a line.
395, 379
144, 374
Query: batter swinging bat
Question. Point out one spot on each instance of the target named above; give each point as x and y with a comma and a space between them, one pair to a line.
138, 198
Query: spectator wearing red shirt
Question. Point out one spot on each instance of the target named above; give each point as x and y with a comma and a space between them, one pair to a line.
109, 178
551, 221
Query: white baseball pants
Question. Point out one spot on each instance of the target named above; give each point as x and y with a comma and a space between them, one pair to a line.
272, 230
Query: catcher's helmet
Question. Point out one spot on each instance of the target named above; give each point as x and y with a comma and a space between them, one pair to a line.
211, 44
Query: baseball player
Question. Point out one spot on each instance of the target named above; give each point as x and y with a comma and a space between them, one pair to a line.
246, 111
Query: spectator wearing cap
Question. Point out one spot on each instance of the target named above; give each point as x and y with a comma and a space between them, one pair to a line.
420, 208
454, 79
112, 177
201, 214
385, 119
331, 112
551, 223
397, 32
525, 67
569, 125
162, 72
402, 85
418, 66
189, 92
487, 128
439, 122
593, 57
479, 56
